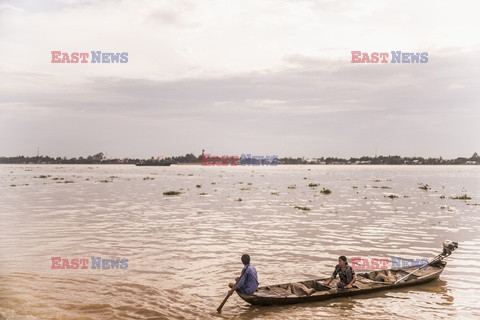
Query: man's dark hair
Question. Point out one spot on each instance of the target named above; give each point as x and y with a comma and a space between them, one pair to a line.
245, 259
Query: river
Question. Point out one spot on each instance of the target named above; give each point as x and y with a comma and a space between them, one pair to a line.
184, 249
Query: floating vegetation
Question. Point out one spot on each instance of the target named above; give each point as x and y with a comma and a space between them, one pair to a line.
199, 185
442, 197
313, 185
391, 196
302, 208
202, 194
214, 183
377, 180
148, 178
43, 176
245, 189
171, 193
58, 178
292, 186
304, 178
239, 199
354, 187
325, 191
424, 187
68, 181
105, 181
382, 187
275, 193
113, 177
190, 174
249, 183
464, 197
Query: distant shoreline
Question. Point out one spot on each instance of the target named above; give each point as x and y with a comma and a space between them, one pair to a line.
191, 159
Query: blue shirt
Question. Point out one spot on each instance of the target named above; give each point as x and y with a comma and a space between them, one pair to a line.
248, 282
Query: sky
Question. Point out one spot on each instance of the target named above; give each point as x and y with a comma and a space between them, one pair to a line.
270, 77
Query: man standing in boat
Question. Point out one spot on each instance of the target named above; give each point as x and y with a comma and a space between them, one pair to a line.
247, 283
346, 273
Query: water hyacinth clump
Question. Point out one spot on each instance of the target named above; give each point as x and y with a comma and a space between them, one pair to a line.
391, 196
302, 208
171, 193
424, 187
325, 191
463, 197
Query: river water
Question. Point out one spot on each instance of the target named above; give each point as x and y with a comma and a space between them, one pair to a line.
183, 250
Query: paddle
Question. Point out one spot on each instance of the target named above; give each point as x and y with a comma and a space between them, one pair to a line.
219, 309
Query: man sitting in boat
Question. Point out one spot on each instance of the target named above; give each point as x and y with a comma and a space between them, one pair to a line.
247, 283
346, 273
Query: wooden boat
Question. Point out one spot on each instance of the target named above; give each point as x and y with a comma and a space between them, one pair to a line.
149, 164
314, 290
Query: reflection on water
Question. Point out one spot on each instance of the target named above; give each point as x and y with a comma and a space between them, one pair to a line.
183, 250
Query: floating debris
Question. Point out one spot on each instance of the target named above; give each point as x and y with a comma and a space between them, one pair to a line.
199, 185
275, 193
202, 194
313, 185
43, 176
239, 199
148, 178
442, 197
292, 186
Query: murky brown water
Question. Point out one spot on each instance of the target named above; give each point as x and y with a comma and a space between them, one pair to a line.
183, 250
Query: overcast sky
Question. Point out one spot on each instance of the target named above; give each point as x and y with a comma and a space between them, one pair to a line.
247, 76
